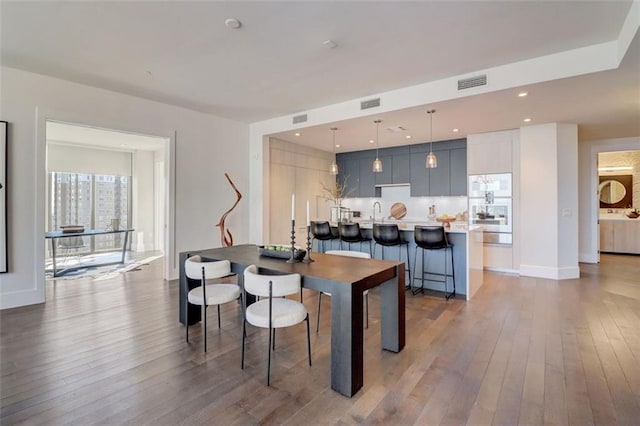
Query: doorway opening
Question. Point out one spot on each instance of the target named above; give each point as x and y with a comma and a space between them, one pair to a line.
618, 199
109, 187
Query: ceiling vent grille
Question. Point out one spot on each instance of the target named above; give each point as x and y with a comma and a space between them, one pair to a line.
467, 83
299, 118
370, 103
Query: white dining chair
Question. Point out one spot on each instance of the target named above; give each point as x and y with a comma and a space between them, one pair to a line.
210, 294
275, 311
365, 294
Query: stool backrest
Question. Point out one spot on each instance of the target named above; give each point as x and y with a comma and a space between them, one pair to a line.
386, 233
349, 253
350, 232
321, 230
212, 269
430, 237
258, 285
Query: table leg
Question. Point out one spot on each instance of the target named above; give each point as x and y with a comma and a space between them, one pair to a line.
347, 339
392, 316
124, 247
53, 256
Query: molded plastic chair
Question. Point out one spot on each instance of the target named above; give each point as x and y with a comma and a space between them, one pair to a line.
274, 311
388, 235
322, 233
433, 238
208, 294
365, 294
350, 233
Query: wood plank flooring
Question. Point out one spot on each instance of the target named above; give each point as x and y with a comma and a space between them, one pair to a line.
523, 351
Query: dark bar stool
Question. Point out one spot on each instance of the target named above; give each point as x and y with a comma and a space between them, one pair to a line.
388, 235
350, 233
433, 238
322, 233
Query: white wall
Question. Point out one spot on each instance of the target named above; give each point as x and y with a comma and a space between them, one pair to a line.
203, 148
143, 217
588, 190
548, 201
76, 159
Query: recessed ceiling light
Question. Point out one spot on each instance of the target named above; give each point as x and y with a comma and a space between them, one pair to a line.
456, 130
123, 144
527, 120
337, 145
372, 141
233, 23
297, 134
330, 44
408, 137
522, 94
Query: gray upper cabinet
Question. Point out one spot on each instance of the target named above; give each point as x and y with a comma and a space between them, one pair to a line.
401, 168
458, 173
439, 177
419, 175
367, 182
406, 164
386, 175
349, 170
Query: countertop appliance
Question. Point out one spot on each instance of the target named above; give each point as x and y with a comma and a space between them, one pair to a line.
490, 205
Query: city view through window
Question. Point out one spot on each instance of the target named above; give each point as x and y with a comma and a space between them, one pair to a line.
92, 201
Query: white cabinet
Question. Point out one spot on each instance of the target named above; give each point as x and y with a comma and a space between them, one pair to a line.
620, 235
491, 152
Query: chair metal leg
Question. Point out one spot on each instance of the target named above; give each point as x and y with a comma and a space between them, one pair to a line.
186, 317
269, 358
319, 303
408, 267
219, 317
274, 340
204, 322
244, 335
308, 341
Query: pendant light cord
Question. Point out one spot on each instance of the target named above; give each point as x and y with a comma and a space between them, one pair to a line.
377, 136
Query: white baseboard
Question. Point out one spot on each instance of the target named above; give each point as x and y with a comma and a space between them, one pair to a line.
502, 270
21, 298
588, 258
563, 273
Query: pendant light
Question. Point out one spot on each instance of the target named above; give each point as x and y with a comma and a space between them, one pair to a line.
432, 161
333, 168
377, 163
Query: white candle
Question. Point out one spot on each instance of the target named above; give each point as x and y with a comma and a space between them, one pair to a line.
293, 206
308, 223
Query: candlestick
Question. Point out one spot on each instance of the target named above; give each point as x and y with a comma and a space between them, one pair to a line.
307, 257
293, 259
293, 206
308, 223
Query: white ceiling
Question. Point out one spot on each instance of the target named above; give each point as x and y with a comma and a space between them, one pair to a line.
276, 64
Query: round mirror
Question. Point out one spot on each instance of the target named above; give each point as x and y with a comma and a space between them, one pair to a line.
612, 191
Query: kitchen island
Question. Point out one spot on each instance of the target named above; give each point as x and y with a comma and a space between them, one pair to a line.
467, 255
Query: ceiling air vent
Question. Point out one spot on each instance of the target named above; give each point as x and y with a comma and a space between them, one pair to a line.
299, 118
467, 83
371, 103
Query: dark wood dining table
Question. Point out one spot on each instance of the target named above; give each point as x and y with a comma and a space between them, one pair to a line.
346, 278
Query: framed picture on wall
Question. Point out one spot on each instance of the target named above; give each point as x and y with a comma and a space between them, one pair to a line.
3, 196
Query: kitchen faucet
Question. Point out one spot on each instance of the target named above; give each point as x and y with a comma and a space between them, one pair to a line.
374, 210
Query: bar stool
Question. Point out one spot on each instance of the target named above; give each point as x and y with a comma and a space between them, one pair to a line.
322, 233
388, 235
350, 233
433, 238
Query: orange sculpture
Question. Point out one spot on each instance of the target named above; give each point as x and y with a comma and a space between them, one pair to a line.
227, 240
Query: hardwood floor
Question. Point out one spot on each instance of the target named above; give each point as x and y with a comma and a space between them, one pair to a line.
523, 351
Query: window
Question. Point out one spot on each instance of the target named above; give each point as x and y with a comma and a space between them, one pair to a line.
92, 201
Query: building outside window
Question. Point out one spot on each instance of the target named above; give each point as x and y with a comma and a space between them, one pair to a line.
92, 201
